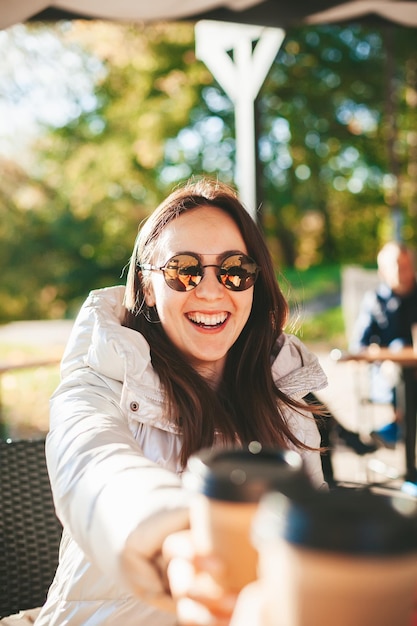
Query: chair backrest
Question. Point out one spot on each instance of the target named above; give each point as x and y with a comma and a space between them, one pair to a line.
30, 532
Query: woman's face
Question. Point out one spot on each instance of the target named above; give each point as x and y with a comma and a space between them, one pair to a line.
205, 322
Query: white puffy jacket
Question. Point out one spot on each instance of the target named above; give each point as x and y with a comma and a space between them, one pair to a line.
113, 455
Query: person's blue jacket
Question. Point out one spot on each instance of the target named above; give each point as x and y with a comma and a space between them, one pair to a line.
385, 317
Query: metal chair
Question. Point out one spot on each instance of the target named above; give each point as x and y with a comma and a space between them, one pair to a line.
30, 532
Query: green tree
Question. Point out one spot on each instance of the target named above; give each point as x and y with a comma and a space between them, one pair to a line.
101, 173
337, 156
324, 142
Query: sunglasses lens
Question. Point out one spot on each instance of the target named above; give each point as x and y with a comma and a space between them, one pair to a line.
238, 272
183, 272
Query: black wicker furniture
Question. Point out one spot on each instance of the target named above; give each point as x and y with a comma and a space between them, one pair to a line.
30, 532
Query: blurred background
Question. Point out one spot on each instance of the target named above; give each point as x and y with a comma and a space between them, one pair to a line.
100, 120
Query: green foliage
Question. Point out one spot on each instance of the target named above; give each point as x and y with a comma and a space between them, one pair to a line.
304, 285
318, 286
326, 119
326, 328
337, 156
69, 223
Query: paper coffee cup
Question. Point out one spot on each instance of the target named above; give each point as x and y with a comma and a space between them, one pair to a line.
340, 558
228, 485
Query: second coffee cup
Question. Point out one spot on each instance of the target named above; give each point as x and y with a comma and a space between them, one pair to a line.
228, 485
338, 558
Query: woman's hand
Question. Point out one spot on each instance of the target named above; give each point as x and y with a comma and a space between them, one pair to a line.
147, 578
195, 583
142, 564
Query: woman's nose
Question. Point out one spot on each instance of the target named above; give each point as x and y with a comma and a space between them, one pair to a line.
210, 287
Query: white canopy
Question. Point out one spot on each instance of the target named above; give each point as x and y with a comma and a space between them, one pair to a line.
263, 12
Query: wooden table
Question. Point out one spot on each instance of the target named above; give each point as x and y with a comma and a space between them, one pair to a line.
406, 358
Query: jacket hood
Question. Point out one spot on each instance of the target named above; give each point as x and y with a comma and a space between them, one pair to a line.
295, 369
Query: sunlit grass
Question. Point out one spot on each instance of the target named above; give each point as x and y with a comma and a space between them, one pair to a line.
25, 393
324, 328
302, 286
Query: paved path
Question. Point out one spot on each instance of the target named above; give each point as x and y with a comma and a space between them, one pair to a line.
36, 333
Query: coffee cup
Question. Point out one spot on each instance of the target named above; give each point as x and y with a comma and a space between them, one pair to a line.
227, 486
342, 557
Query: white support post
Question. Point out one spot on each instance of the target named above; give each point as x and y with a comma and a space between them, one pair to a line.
241, 75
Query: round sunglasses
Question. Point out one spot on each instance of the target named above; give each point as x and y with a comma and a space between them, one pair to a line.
183, 272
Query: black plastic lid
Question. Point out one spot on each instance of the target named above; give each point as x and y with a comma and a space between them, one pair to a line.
244, 475
346, 521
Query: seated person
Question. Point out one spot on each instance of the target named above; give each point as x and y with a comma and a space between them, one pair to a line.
385, 319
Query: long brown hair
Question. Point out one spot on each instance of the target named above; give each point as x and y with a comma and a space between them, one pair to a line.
247, 405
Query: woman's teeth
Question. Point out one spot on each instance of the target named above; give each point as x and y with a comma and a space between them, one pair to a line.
207, 320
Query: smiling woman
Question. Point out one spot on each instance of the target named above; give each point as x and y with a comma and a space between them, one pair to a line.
190, 354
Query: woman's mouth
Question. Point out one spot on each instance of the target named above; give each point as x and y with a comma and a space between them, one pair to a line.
205, 320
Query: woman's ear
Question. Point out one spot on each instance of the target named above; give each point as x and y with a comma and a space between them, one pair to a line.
149, 296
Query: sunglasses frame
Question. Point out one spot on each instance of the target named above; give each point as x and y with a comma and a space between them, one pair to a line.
230, 286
